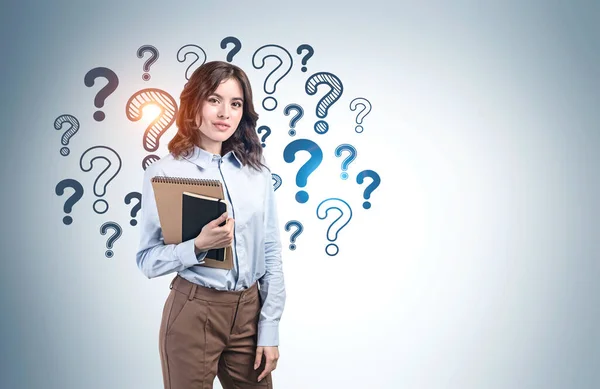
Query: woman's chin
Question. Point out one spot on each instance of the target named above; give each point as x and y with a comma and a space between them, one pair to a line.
222, 137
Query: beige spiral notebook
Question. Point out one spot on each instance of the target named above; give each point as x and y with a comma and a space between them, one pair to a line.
168, 192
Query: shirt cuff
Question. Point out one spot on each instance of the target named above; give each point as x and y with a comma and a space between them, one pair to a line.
268, 334
186, 252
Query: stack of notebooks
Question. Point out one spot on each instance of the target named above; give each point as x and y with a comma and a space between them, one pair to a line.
185, 205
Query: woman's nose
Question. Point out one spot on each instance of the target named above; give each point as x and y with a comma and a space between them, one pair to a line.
224, 112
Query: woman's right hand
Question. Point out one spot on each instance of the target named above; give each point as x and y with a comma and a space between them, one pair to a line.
214, 237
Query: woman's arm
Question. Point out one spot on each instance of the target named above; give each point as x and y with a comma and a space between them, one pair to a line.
272, 287
153, 257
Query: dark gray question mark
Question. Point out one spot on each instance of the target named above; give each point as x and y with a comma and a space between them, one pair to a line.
150, 61
113, 83
130, 196
237, 45
191, 50
111, 241
75, 197
305, 59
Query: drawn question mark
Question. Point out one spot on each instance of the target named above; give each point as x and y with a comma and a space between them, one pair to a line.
295, 118
74, 198
110, 87
168, 110
130, 196
276, 181
346, 162
113, 238
86, 163
150, 61
362, 113
371, 187
324, 78
267, 132
237, 45
310, 53
316, 156
337, 225
277, 74
74, 127
295, 234
191, 49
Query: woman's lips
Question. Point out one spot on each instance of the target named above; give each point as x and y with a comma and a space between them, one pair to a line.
221, 126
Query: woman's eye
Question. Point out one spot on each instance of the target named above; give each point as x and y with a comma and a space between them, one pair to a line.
238, 104
212, 100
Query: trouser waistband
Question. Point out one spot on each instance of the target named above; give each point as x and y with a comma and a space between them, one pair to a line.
193, 290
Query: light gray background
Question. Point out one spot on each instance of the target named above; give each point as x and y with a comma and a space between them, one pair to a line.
476, 267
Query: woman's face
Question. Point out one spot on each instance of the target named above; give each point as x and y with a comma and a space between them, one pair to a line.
221, 115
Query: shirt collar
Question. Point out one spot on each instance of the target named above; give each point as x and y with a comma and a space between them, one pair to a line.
205, 159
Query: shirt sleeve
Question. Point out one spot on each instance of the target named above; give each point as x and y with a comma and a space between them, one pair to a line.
272, 287
155, 258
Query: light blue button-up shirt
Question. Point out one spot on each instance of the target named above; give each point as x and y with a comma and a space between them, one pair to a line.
256, 250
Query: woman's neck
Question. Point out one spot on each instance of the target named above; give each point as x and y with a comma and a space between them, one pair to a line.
213, 148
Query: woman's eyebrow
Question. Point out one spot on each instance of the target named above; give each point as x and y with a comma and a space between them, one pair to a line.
235, 98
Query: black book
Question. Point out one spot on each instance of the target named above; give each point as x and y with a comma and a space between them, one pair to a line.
197, 211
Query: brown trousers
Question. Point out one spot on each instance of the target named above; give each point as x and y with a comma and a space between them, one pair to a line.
206, 333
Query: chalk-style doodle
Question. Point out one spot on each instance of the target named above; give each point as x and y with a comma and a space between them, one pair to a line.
333, 95
191, 51
362, 113
89, 159
336, 226
73, 127
281, 70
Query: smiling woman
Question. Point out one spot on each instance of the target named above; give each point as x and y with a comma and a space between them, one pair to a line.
218, 322
220, 116
218, 93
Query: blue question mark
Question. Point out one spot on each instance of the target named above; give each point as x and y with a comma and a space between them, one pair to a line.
263, 138
371, 187
295, 118
331, 80
348, 160
336, 226
276, 181
237, 45
300, 228
316, 156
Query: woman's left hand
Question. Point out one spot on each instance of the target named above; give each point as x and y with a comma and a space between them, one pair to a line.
271, 354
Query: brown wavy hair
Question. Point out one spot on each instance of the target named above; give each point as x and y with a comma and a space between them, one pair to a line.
203, 82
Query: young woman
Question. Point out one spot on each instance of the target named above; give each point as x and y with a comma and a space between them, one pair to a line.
218, 322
